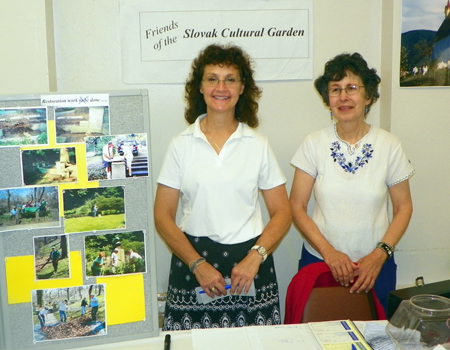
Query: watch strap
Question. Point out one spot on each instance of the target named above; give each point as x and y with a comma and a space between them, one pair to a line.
388, 249
261, 251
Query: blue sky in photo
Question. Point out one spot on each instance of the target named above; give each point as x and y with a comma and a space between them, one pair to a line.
422, 14
25, 191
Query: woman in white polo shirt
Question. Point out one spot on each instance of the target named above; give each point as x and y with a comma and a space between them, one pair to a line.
217, 166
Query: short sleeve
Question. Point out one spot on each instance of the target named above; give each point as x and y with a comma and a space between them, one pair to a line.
271, 174
170, 173
305, 157
400, 168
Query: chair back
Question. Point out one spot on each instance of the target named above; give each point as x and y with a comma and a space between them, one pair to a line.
337, 303
313, 295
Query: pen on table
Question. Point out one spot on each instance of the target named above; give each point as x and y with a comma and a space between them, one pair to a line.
228, 286
167, 342
354, 347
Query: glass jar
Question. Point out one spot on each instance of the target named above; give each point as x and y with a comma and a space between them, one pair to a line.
421, 322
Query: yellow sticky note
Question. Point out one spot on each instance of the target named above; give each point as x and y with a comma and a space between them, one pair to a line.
20, 277
121, 307
125, 299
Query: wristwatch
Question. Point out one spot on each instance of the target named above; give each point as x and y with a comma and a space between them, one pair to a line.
261, 251
389, 250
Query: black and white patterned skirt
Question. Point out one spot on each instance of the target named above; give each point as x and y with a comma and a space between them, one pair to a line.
183, 312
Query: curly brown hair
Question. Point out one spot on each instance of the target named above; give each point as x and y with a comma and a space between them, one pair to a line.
338, 67
228, 55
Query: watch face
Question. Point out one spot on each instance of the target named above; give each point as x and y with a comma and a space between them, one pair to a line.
386, 248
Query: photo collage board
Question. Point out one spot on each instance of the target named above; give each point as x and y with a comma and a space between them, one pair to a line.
77, 241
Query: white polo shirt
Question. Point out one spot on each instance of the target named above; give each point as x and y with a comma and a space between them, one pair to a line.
220, 192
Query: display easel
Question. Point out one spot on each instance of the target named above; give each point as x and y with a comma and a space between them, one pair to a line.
129, 113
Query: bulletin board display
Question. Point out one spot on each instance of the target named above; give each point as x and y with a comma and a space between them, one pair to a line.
77, 252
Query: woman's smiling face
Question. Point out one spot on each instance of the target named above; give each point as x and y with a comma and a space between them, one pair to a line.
223, 96
347, 107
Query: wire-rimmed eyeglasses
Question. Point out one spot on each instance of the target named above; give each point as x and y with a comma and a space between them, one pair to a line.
214, 81
349, 89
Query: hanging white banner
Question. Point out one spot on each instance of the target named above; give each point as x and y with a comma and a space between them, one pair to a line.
160, 39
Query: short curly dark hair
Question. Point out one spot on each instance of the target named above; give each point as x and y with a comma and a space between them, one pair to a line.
228, 55
338, 67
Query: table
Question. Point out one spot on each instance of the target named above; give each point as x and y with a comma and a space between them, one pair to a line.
180, 340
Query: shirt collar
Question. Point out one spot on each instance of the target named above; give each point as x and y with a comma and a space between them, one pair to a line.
243, 130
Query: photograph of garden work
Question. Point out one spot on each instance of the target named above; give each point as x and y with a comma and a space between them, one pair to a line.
74, 123
115, 254
49, 166
23, 126
66, 313
94, 209
117, 157
51, 257
29, 208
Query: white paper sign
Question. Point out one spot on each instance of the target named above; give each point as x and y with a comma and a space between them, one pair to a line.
81, 100
160, 39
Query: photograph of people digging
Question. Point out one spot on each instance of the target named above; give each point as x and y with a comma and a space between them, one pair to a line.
64, 313
51, 257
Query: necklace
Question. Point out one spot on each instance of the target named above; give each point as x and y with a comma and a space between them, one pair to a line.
210, 137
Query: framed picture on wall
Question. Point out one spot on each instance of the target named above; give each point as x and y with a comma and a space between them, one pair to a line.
425, 43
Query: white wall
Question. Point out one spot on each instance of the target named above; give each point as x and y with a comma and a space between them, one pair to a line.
23, 43
88, 58
421, 119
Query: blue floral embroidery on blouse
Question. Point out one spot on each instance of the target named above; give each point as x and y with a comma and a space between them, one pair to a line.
359, 161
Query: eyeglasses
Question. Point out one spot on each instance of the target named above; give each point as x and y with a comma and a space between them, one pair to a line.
349, 89
213, 81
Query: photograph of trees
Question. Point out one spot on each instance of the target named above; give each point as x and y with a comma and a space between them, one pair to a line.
29, 207
115, 253
51, 257
23, 126
94, 209
65, 313
49, 166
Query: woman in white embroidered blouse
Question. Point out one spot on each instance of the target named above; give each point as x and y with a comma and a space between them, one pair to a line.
353, 169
